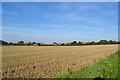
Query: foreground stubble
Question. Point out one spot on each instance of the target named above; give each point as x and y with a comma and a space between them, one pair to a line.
49, 61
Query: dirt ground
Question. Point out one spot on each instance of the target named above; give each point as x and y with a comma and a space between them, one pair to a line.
49, 61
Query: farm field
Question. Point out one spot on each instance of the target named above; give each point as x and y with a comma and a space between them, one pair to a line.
50, 61
105, 68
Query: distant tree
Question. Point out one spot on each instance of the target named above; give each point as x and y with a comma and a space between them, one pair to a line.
54, 42
20, 42
115, 42
92, 43
118, 42
15, 44
110, 42
4, 43
38, 44
88, 43
80, 43
0, 42
103, 42
73, 43
34, 43
10, 43
28, 44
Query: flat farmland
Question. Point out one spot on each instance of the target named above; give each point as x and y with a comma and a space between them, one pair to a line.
49, 61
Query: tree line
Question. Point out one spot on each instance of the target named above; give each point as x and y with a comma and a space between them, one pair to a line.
101, 42
74, 43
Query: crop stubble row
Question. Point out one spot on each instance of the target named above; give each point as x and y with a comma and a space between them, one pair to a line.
49, 61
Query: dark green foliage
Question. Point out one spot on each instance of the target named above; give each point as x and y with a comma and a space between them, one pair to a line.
80, 43
103, 42
3, 42
74, 43
10, 43
92, 43
20, 43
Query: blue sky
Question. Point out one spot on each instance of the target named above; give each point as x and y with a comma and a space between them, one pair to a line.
49, 22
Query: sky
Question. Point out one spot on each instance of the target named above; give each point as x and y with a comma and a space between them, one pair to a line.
60, 0
48, 22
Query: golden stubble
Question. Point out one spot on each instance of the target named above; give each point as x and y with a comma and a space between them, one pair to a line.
50, 61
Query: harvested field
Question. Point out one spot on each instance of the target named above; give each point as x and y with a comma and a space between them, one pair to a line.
49, 61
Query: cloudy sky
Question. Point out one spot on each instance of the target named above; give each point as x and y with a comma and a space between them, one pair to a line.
49, 22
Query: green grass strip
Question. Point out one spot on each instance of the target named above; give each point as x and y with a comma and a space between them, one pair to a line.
105, 68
